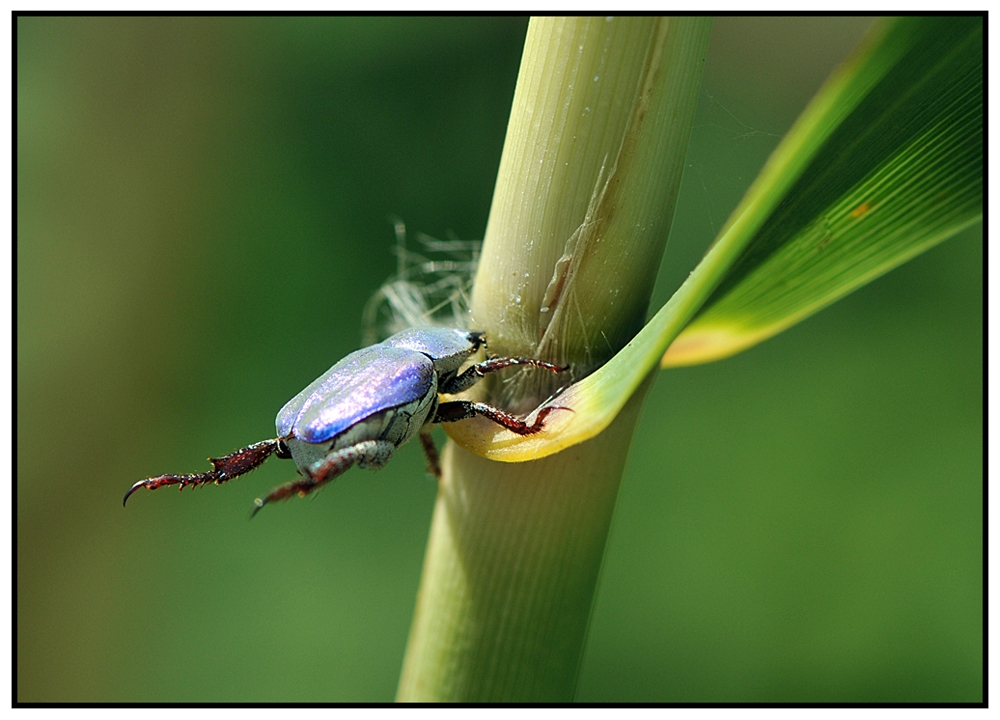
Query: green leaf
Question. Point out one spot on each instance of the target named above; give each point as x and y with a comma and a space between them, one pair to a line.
902, 172
885, 162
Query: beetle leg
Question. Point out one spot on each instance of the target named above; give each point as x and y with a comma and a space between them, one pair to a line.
475, 373
369, 453
431, 451
225, 468
456, 410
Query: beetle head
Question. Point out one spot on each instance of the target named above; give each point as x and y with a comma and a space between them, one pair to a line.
477, 339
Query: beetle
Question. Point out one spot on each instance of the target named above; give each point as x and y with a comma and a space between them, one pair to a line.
367, 405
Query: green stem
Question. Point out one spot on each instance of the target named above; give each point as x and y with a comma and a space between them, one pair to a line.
511, 570
580, 216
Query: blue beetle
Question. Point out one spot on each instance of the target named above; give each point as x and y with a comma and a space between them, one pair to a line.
367, 405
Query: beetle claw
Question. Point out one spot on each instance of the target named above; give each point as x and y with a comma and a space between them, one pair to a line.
162, 480
544, 413
131, 490
284, 492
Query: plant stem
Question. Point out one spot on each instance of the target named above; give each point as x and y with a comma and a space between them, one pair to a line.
584, 197
510, 572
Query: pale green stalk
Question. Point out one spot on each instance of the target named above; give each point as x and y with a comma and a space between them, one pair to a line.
581, 212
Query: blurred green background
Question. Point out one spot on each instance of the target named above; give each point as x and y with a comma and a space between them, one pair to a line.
203, 209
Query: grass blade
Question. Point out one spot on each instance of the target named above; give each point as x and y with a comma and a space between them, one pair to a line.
900, 174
